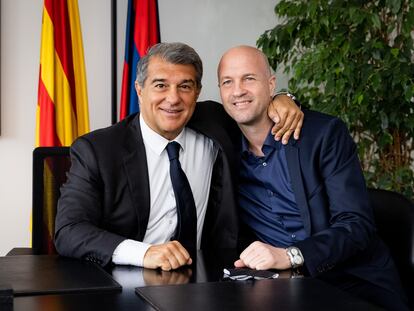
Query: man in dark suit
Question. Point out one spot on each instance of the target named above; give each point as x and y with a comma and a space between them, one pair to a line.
118, 204
306, 202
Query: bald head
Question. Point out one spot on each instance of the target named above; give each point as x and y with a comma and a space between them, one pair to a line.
253, 53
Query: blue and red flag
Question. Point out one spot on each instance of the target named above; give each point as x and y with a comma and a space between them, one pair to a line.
142, 32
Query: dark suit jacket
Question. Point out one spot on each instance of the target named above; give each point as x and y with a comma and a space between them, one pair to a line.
330, 192
106, 198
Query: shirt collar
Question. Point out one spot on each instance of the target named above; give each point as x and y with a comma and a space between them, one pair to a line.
269, 142
155, 141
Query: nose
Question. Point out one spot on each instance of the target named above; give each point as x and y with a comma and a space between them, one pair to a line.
173, 96
238, 89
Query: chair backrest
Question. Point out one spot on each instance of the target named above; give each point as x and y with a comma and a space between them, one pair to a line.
50, 165
394, 216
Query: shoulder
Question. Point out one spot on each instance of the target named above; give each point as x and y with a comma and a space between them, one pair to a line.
324, 134
211, 119
113, 134
112, 130
318, 119
109, 141
321, 124
326, 138
207, 111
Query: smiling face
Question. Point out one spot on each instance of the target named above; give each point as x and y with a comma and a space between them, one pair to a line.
246, 85
168, 97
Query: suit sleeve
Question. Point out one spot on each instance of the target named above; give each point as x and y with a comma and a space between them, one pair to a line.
78, 226
345, 202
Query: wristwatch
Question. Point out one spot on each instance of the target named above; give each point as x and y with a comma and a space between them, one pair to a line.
295, 257
293, 97
285, 93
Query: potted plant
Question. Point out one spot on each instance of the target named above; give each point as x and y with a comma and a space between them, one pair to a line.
355, 59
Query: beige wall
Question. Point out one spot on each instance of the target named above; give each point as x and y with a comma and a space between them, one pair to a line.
210, 26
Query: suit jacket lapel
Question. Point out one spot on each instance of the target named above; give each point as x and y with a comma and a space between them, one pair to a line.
136, 170
293, 161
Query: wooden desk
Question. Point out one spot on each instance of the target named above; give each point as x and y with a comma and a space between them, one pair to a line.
283, 294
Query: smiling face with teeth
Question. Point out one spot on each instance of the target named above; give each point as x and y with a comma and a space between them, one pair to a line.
246, 85
168, 96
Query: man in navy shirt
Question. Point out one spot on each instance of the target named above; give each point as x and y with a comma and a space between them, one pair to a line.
306, 202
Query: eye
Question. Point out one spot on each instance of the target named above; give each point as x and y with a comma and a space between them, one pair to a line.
226, 82
249, 78
186, 87
159, 85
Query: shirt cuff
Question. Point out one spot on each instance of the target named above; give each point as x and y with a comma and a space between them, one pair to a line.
130, 252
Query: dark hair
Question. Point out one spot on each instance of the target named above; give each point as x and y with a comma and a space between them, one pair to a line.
174, 53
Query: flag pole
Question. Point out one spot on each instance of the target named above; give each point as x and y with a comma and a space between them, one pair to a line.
114, 99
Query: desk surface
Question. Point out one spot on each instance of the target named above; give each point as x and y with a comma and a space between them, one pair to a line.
281, 294
176, 290
41, 274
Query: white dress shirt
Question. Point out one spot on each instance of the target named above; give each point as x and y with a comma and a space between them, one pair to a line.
197, 156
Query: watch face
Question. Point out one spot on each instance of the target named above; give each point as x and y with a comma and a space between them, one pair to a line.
297, 259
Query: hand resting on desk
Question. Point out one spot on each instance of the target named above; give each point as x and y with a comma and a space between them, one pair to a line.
261, 256
167, 256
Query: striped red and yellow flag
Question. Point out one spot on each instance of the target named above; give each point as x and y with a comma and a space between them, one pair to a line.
62, 108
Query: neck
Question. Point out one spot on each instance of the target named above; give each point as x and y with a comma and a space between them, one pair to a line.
256, 135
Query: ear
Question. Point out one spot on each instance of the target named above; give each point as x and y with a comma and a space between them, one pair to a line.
138, 89
272, 84
198, 91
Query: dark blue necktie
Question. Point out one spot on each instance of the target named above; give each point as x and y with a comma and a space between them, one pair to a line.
186, 232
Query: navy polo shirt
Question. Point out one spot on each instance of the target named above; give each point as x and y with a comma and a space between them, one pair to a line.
266, 196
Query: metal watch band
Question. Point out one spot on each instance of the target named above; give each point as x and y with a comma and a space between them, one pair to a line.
285, 93
293, 97
295, 257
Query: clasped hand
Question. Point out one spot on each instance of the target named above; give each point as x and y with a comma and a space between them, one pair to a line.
261, 256
167, 256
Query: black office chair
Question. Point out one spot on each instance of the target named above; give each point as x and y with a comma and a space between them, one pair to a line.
394, 216
50, 165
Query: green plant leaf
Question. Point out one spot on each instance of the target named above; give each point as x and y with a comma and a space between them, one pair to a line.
376, 22
354, 59
395, 5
